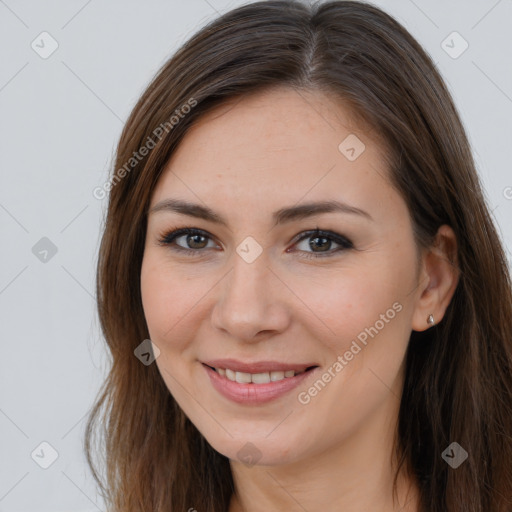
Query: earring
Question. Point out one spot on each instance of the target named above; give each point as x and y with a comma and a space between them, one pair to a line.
430, 320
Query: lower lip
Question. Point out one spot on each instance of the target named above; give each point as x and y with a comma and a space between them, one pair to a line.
254, 393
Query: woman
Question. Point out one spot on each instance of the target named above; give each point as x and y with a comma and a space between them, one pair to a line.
306, 301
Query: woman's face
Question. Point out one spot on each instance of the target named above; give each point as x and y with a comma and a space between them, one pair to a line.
259, 288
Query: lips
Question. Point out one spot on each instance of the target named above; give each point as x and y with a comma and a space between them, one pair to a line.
260, 391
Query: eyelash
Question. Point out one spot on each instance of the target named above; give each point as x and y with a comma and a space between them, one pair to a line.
167, 239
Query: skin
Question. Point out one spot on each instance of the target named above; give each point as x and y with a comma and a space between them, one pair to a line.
245, 160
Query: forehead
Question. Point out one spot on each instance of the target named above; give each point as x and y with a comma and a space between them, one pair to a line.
273, 148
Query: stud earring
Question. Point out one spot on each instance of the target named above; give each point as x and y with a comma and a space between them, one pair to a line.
430, 320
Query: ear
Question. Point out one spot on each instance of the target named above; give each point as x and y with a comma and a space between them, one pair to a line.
439, 277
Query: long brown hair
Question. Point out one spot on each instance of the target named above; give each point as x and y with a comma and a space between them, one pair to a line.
458, 380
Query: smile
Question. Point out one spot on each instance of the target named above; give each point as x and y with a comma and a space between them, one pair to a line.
256, 378
255, 388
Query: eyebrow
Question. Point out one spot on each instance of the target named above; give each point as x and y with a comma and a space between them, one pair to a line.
281, 216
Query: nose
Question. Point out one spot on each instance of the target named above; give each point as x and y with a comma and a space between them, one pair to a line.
251, 302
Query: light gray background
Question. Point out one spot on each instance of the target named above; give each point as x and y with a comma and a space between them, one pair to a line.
60, 119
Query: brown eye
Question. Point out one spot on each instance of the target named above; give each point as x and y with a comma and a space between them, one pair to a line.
194, 241
321, 243
191, 240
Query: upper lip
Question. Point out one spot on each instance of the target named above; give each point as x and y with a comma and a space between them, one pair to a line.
257, 366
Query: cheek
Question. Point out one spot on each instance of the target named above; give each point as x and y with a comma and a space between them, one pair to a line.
173, 301
154, 298
360, 314
163, 305
366, 340
343, 305
168, 301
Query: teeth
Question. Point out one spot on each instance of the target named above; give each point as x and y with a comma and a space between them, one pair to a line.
260, 378
279, 375
256, 378
243, 378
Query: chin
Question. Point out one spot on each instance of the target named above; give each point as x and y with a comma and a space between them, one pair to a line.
260, 450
